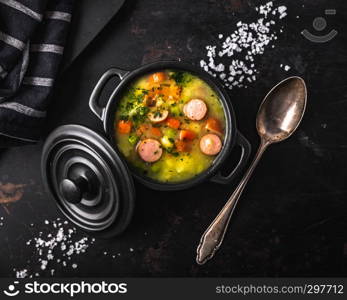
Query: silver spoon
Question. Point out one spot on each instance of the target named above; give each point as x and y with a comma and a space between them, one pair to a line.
278, 117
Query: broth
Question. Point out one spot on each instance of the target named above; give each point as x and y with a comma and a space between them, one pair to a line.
170, 125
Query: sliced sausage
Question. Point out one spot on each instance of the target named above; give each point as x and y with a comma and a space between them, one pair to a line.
158, 116
210, 144
195, 109
149, 150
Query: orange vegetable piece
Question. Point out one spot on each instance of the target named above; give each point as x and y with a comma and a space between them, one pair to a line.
124, 127
156, 131
187, 135
170, 91
157, 77
182, 146
173, 123
143, 128
213, 125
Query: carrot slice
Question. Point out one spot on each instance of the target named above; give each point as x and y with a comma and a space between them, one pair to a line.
157, 77
156, 131
182, 146
173, 123
187, 135
124, 127
213, 125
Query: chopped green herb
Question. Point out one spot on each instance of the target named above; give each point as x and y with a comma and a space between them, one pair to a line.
181, 78
134, 108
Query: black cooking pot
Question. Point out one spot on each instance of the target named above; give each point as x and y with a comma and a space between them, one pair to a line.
232, 135
90, 180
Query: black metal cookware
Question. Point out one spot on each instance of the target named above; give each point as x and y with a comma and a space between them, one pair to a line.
90, 180
232, 136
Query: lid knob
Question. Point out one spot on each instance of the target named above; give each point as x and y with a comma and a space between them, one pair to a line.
72, 190
79, 184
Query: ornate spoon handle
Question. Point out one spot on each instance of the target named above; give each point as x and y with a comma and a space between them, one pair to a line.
213, 237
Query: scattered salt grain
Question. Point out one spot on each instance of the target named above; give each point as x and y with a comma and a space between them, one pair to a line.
49, 248
287, 68
22, 274
233, 61
44, 264
282, 10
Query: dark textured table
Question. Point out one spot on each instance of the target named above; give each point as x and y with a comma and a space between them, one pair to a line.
292, 218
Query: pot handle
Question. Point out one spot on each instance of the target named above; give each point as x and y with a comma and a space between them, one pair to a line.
246, 151
94, 97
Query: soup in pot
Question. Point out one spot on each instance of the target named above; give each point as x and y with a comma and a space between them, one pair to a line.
170, 125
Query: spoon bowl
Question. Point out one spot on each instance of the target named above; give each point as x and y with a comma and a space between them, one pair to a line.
282, 110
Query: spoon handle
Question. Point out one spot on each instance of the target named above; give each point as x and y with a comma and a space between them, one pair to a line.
212, 238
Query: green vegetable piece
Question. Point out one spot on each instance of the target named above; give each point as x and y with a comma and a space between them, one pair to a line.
175, 110
170, 132
133, 139
166, 143
181, 78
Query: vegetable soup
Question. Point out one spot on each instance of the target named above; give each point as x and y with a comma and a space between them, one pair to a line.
170, 125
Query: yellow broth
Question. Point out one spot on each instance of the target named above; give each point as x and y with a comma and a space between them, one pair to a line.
177, 89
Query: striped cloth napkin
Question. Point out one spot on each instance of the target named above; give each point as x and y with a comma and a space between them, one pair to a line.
32, 37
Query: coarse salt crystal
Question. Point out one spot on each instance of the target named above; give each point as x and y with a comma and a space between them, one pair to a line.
249, 40
22, 273
50, 248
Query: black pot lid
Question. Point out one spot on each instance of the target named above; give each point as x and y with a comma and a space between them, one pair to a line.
90, 183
